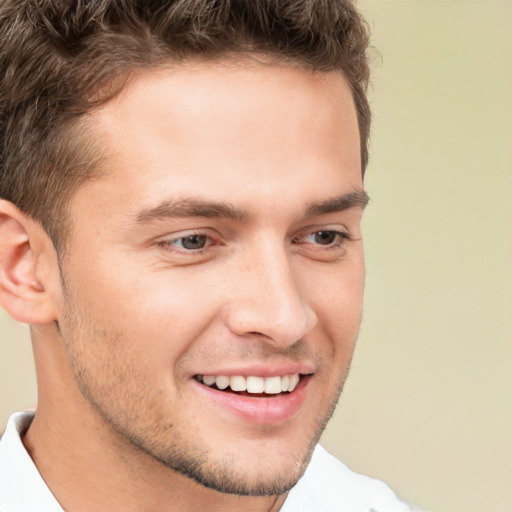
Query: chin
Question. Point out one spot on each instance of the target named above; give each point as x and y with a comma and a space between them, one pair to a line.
260, 470
230, 478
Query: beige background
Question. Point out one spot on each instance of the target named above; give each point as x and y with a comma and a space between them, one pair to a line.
428, 407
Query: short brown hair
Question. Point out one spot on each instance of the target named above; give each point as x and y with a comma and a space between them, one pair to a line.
60, 58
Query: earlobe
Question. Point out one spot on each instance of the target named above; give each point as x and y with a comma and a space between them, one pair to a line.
22, 292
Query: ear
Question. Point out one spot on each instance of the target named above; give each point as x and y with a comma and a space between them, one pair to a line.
28, 263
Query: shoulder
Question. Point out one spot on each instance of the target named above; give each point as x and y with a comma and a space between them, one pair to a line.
330, 486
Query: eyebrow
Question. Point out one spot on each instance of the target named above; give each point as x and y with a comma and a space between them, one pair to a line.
356, 199
192, 208
218, 209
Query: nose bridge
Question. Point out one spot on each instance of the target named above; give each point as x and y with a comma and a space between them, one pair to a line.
270, 301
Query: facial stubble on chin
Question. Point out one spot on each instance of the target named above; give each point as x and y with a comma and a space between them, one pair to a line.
223, 477
160, 439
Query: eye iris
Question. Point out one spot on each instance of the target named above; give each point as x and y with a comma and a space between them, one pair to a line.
325, 237
194, 242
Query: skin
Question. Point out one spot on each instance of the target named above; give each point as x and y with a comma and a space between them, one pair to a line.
128, 316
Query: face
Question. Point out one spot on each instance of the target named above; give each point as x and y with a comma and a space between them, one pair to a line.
214, 275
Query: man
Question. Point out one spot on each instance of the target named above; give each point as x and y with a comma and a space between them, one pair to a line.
182, 191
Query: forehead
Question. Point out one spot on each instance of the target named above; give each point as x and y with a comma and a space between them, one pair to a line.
243, 126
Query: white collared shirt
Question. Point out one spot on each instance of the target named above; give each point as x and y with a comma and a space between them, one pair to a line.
327, 485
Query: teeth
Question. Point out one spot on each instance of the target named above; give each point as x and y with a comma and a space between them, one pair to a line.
253, 384
209, 380
273, 385
238, 383
222, 382
294, 380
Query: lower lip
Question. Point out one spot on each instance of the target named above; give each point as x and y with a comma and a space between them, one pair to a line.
258, 410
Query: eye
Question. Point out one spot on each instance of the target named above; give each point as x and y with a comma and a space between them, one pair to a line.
326, 238
190, 247
192, 242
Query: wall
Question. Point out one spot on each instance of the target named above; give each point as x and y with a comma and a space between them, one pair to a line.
429, 403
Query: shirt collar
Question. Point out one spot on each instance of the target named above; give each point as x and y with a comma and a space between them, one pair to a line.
22, 488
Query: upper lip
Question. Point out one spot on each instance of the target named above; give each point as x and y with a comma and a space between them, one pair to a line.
260, 370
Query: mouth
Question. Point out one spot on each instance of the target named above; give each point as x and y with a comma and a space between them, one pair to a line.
260, 396
252, 385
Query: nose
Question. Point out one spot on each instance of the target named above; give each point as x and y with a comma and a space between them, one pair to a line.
268, 300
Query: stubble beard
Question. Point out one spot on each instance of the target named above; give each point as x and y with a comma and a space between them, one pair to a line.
160, 439
224, 476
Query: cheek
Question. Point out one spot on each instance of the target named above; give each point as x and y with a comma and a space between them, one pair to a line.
336, 299
147, 302
177, 307
114, 361
336, 292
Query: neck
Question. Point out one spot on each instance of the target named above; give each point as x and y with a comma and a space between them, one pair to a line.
88, 474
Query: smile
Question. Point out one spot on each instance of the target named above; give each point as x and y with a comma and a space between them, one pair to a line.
255, 399
252, 384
